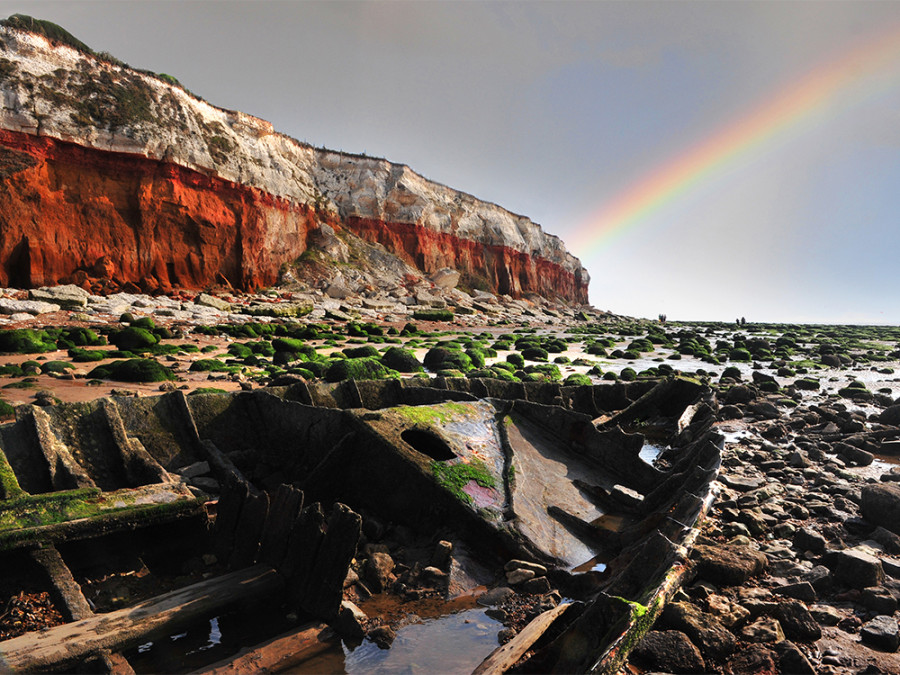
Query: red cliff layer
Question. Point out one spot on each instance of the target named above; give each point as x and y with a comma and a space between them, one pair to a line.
497, 268
68, 212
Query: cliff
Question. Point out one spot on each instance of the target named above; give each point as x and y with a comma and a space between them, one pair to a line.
114, 174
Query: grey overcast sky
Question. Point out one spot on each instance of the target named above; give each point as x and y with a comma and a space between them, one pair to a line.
707, 160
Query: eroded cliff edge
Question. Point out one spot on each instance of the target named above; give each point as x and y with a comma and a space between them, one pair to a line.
106, 172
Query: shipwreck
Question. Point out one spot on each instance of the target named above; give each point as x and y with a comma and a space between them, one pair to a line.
140, 517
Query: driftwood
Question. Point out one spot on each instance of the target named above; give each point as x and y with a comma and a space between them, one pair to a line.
56, 647
278, 654
502, 659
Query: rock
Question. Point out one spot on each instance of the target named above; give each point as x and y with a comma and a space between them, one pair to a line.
670, 651
887, 539
703, 629
855, 568
880, 505
209, 485
753, 659
809, 540
382, 636
495, 596
826, 615
338, 291
351, 621
727, 612
29, 307
881, 632
212, 301
765, 629
802, 590
193, 470
740, 393
440, 558
518, 576
538, 569
742, 483
792, 660
379, 571
890, 415
878, 600
730, 566
797, 622
819, 577
852, 455
445, 278
69, 296
536, 586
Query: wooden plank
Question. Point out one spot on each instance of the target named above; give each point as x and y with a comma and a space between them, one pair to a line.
283, 511
56, 647
278, 654
75, 605
502, 659
249, 529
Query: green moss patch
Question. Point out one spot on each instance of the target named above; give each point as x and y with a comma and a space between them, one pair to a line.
455, 477
133, 370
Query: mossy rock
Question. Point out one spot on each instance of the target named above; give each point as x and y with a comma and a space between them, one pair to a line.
739, 354
477, 357
7, 410
357, 369
535, 354
204, 365
628, 374
133, 370
144, 322
79, 337
26, 341
56, 367
134, 339
516, 359
433, 315
439, 358
361, 352
401, 360
547, 371
577, 380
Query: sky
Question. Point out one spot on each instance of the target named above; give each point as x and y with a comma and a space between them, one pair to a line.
706, 160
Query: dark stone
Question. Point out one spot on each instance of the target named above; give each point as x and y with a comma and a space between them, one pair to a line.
792, 660
819, 577
802, 590
670, 651
537, 586
809, 540
740, 393
890, 415
382, 636
742, 483
881, 505
797, 622
852, 455
703, 630
881, 632
855, 568
878, 600
731, 566
753, 659
730, 412
379, 571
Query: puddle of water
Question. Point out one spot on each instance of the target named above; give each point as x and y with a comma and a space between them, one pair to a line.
595, 564
452, 644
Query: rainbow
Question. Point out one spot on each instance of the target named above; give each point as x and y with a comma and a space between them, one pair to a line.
788, 109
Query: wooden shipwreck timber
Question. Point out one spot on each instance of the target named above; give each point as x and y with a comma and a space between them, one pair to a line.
141, 516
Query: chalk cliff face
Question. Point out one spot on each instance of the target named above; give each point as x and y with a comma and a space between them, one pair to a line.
108, 173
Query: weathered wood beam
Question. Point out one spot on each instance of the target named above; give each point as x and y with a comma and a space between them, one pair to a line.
502, 659
278, 654
56, 647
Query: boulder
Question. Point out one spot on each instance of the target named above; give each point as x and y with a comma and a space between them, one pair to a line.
797, 622
880, 505
703, 629
855, 568
881, 632
730, 566
445, 278
765, 629
69, 296
208, 300
670, 651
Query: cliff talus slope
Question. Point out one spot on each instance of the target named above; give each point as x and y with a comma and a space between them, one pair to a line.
114, 174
